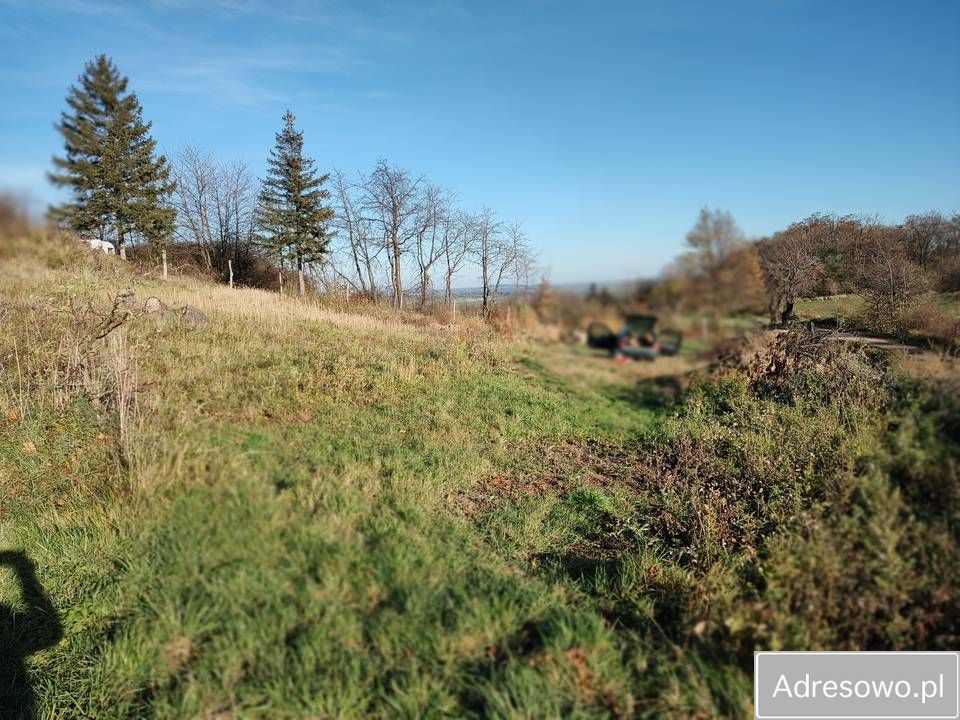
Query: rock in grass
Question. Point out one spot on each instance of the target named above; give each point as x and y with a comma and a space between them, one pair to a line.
154, 305
186, 313
128, 299
192, 315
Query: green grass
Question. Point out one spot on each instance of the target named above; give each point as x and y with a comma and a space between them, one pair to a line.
293, 543
843, 308
947, 301
848, 311
332, 516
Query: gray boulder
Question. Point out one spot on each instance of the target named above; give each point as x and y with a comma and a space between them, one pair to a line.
192, 315
127, 299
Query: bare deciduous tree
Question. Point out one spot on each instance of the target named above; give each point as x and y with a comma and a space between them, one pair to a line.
417, 227
499, 249
487, 246
524, 264
390, 201
790, 266
888, 278
215, 204
924, 236
434, 205
948, 256
356, 231
457, 237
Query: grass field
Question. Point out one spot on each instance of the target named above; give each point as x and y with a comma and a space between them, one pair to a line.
848, 313
843, 308
294, 511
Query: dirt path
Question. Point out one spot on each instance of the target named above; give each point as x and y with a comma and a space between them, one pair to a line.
880, 342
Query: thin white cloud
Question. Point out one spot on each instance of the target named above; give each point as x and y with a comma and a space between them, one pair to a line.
378, 95
161, 52
243, 79
98, 8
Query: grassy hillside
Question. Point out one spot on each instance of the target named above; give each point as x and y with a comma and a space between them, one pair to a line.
294, 511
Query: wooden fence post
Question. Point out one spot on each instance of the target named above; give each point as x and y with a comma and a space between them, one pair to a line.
163, 252
280, 272
230, 266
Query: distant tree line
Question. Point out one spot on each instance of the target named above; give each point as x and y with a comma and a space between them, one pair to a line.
889, 266
382, 233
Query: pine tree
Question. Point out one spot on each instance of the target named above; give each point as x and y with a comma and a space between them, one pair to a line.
120, 188
293, 216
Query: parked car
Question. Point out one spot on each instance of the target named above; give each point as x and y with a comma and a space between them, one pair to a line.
638, 339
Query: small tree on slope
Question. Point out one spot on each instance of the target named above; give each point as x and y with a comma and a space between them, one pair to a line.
293, 216
119, 186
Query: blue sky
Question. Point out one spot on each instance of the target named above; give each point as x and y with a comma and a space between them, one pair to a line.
604, 127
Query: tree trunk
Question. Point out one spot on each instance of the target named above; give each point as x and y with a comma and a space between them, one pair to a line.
787, 311
121, 245
356, 264
230, 267
397, 277
372, 283
486, 285
163, 252
424, 280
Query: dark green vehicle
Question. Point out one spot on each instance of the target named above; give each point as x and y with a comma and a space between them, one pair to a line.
638, 339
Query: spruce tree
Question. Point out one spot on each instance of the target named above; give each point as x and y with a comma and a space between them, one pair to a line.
293, 216
120, 188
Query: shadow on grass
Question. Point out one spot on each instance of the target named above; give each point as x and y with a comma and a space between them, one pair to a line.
653, 612
521, 646
599, 577
663, 391
22, 633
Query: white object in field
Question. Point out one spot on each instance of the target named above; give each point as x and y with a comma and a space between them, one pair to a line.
102, 245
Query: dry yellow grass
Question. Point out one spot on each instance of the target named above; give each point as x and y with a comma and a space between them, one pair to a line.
67, 268
929, 365
585, 368
284, 311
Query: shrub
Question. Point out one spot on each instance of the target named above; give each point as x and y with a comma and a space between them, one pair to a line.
780, 512
250, 269
890, 283
948, 275
936, 325
801, 367
14, 220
